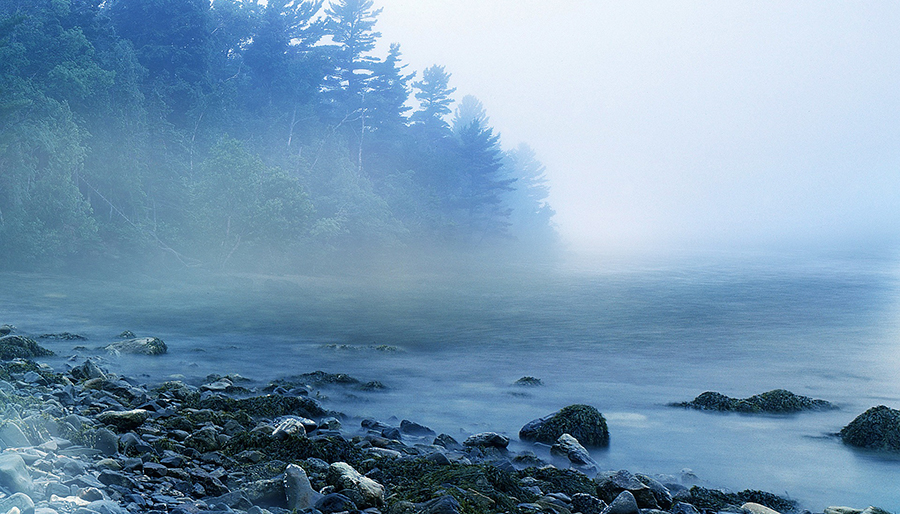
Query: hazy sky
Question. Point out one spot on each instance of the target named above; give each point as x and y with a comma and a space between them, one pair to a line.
684, 122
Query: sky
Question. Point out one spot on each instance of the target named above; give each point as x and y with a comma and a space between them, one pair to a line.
684, 123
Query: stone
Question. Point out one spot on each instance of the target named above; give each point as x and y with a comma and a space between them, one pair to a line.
11, 436
124, 421
288, 426
362, 490
612, 484
487, 439
110, 477
14, 476
587, 504
755, 508
105, 507
569, 447
582, 422
204, 440
876, 429
413, 428
842, 510
335, 502
298, 490
19, 501
777, 401
440, 505
528, 382
623, 504
138, 346
20, 347
683, 508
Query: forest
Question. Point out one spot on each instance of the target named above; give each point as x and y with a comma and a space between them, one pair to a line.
240, 134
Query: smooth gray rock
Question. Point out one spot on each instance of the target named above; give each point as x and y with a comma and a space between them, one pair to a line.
138, 346
289, 426
362, 490
124, 420
11, 436
297, 489
14, 476
569, 447
19, 501
105, 441
623, 504
489, 439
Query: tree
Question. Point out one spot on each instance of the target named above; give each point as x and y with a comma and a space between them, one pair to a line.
470, 110
433, 93
351, 24
531, 216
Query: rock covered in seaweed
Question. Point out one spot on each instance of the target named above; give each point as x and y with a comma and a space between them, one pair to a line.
777, 401
876, 429
583, 422
20, 347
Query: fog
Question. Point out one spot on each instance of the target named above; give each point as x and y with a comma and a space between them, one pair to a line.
685, 124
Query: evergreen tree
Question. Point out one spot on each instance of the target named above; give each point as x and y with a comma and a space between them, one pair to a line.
351, 24
470, 110
531, 216
433, 93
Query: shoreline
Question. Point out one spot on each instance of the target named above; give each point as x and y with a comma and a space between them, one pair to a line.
87, 435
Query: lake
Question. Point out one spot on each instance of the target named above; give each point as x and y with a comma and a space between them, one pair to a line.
627, 337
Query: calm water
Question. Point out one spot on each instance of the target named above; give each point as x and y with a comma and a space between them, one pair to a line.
626, 338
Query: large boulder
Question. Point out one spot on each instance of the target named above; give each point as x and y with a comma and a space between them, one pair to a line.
583, 422
20, 347
124, 420
878, 429
776, 401
138, 346
362, 490
14, 476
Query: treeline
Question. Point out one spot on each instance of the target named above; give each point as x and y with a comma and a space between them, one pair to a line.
230, 133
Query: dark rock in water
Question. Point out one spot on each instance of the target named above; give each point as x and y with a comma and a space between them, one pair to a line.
777, 401
528, 382
612, 484
412, 428
441, 505
447, 441
624, 503
582, 422
587, 504
323, 378
19, 347
711, 499
63, 336
487, 439
87, 371
138, 346
126, 334
6, 329
877, 429
268, 406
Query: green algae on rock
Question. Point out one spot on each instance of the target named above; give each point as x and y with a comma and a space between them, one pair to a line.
876, 429
777, 401
20, 347
582, 422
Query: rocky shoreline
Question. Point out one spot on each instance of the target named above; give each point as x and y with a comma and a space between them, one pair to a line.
84, 440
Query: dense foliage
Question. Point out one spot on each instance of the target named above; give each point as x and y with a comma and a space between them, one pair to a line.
237, 132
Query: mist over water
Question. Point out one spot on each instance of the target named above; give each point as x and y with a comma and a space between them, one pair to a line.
627, 336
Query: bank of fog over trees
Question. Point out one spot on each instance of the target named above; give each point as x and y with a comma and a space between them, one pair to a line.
230, 133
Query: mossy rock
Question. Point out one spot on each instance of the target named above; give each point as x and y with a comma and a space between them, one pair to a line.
268, 406
138, 346
20, 347
294, 448
566, 481
777, 401
876, 429
582, 422
711, 499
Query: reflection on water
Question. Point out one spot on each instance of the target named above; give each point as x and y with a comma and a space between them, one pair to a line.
626, 339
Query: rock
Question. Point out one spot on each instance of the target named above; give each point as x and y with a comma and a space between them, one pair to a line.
5, 329
528, 382
105, 441
412, 428
110, 477
19, 347
611, 484
582, 422
569, 447
290, 426
777, 401
124, 421
363, 491
14, 476
138, 346
623, 504
297, 489
19, 501
446, 441
105, 507
874, 510
683, 508
204, 440
756, 508
587, 504
877, 429
11, 436
487, 439
842, 510
441, 505
335, 502
660, 492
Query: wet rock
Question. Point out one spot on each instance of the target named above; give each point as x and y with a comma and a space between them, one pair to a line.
777, 401
487, 439
138, 346
683, 508
6, 329
623, 504
582, 422
335, 502
569, 447
204, 440
528, 382
268, 406
104, 440
20, 347
298, 491
446, 441
876, 429
587, 504
19, 501
14, 476
755, 508
660, 492
110, 477
703, 498
362, 490
412, 428
124, 421
441, 505
611, 484
11, 436
63, 336
291, 426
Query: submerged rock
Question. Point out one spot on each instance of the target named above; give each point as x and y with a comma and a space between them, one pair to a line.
528, 382
777, 401
20, 347
876, 429
138, 346
582, 422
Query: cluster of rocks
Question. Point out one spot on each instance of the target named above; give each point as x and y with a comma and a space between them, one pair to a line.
86, 441
777, 401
